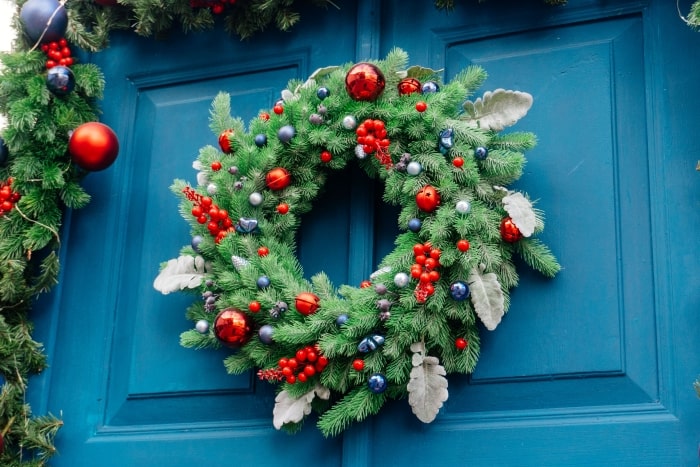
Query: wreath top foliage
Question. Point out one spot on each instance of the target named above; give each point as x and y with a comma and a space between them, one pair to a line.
417, 318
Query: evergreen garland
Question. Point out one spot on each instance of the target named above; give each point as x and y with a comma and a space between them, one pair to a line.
345, 352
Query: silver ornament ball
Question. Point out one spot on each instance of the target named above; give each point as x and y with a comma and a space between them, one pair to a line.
463, 207
202, 326
255, 198
414, 168
349, 122
401, 279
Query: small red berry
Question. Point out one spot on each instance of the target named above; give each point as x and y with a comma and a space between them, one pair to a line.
301, 355
458, 162
322, 362
421, 106
216, 166
326, 156
283, 208
291, 379
283, 362
358, 364
264, 116
302, 378
311, 356
365, 284
461, 343
263, 251
278, 109
463, 245
254, 306
309, 370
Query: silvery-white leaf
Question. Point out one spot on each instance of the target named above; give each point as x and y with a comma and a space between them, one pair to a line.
487, 297
290, 410
322, 392
379, 272
197, 165
289, 96
202, 179
321, 72
185, 272
427, 388
497, 109
418, 72
520, 210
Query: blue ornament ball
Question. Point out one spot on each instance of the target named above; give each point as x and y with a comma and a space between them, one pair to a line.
260, 140
35, 16
377, 383
60, 80
265, 333
196, 241
286, 133
322, 93
481, 153
263, 282
414, 224
341, 319
4, 152
459, 291
430, 86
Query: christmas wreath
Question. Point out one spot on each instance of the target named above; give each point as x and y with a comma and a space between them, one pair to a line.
443, 160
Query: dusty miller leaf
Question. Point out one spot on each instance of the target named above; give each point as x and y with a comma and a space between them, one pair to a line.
520, 210
497, 109
418, 72
427, 389
487, 297
290, 410
185, 272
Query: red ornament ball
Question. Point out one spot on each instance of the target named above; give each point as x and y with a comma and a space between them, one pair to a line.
509, 231
428, 199
408, 86
263, 251
365, 82
264, 116
307, 303
326, 156
278, 179
458, 162
93, 146
421, 106
283, 208
461, 343
278, 109
364, 284
232, 327
254, 306
463, 245
225, 141
358, 364
216, 166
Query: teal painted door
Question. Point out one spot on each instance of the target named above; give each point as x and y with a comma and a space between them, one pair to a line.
592, 368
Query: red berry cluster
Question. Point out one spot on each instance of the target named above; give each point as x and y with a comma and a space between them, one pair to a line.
217, 6
58, 53
306, 363
8, 198
425, 270
218, 221
371, 134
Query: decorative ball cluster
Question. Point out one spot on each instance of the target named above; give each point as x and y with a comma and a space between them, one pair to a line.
305, 364
427, 260
206, 212
58, 53
8, 197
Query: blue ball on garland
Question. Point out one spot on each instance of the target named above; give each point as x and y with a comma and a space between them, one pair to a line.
260, 140
341, 319
414, 224
44, 17
265, 333
430, 86
196, 241
377, 383
447, 140
322, 93
60, 80
459, 291
286, 133
481, 153
263, 282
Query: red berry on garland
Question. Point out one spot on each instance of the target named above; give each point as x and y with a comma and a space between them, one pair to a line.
409, 86
264, 116
263, 251
254, 306
428, 199
364, 284
463, 245
458, 162
93, 146
364, 82
307, 303
225, 141
326, 156
278, 179
283, 208
509, 231
232, 327
216, 166
358, 364
421, 106
278, 109
461, 343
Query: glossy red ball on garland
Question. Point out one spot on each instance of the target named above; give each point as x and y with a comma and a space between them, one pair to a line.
233, 328
283, 208
463, 245
278, 179
421, 106
225, 142
461, 343
509, 231
428, 199
93, 146
365, 82
307, 303
358, 364
408, 86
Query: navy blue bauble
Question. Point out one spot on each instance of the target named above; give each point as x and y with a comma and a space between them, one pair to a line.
286, 133
481, 153
196, 241
260, 140
447, 140
35, 16
414, 224
430, 86
341, 319
377, 383
4, 152
370, 343
263, 282
265, 333
459, 291
60, 80
322, 93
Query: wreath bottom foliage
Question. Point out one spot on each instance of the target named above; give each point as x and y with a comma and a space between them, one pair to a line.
443, 160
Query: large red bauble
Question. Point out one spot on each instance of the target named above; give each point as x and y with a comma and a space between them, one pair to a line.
225, 142
93, 146
307, 303
409, 86
278, 179
232, 328
509, 231
364, 82
428, 199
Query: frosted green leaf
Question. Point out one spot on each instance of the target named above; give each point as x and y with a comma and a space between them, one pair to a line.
185, 272
519, 208
427, 389
293, 410
497, 109
487, 297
